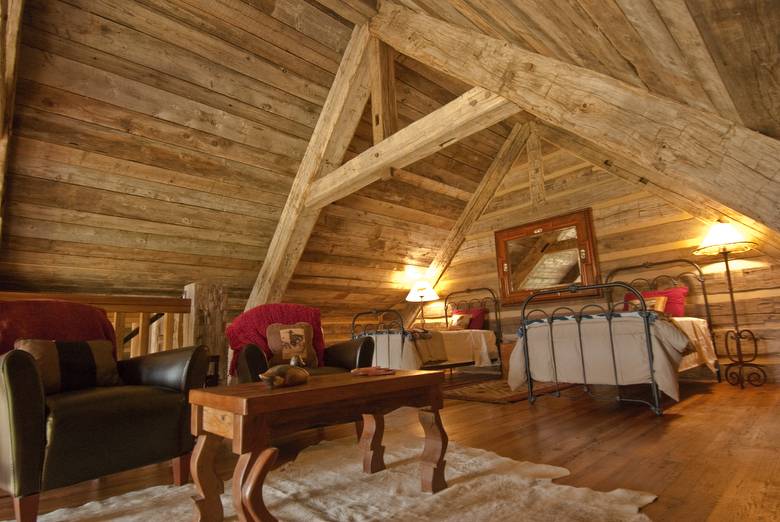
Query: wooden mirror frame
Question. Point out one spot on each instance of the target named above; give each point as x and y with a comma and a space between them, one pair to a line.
586, 244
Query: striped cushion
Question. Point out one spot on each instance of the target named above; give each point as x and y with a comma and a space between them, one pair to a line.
67, 366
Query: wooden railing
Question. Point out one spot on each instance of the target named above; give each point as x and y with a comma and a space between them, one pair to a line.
131, 316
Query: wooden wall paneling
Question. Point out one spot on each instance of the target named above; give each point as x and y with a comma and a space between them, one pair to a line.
105, 33
335, 128
10, 27
667, 135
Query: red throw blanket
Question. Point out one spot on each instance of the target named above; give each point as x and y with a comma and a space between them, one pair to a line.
250, 327
52, 320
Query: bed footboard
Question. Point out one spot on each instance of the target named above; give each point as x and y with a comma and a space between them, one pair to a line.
530, 316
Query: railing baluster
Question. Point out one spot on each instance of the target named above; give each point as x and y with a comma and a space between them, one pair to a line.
143, 333
168, 331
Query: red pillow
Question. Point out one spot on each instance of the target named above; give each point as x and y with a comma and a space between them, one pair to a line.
477, 321
675, 299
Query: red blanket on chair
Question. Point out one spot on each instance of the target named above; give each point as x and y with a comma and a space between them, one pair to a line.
250, 327
55, 320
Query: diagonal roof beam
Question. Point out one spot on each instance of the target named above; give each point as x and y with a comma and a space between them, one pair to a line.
725, 162
503, 162
335, 128
472, 112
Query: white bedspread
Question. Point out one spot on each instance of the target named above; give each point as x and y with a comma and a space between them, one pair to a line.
700, 340
477, 346
631, 357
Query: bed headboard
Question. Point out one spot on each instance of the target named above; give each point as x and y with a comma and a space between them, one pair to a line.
690, 275
476, 298
381, 321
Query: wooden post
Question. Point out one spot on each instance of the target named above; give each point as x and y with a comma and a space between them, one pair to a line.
143, 333
135, 343
119, 328
205, 323
168, 331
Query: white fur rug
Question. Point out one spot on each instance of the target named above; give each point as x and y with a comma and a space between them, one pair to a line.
326, 483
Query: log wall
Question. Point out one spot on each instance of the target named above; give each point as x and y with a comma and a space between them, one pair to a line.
631, 227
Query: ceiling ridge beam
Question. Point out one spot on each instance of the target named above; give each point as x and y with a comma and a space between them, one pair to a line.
505, 159
335, 128
723, 161
471, 112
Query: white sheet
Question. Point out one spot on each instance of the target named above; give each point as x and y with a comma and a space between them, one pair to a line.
477, 346
700, 340
631, 357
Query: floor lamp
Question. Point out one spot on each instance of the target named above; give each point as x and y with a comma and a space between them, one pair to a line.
723, 239
422, 292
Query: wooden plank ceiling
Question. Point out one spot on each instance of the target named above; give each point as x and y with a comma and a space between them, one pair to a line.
155, 141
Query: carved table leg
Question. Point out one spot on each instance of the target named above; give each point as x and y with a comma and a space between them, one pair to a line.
240, 474
432, 460
252, 489
371, 442
207, 482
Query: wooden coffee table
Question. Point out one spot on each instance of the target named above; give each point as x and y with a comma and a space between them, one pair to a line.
251, 414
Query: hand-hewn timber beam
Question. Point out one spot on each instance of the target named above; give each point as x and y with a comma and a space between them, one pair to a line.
674, 193
713, 156
384, 111
334, 130
11, 20
487, 187
473, 111
535, 167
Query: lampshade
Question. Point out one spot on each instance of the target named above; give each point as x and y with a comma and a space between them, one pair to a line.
422, 292
723, 237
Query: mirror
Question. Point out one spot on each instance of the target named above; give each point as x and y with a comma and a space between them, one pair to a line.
547, 254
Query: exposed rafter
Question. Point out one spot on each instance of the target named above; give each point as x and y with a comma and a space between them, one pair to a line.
384, 111
714, 157
535, 166
11, 17
472, 112
334, 130
503, 162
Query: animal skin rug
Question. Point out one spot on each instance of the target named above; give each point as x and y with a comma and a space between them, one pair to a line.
326, 483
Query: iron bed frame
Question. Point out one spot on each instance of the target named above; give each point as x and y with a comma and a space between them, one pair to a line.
609, 313
397, 326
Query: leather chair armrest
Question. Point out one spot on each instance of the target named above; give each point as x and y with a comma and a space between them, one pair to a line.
251, 363
355, 353
181, 370
22, 424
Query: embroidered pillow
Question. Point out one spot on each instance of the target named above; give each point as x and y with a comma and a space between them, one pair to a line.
477, 321
675, 299
68, 366
288, 340
459, 321
653, 304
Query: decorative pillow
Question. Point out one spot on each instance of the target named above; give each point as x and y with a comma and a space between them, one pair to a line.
68, 366
477, 321
288, 340
459, 321
654, 304
675, 299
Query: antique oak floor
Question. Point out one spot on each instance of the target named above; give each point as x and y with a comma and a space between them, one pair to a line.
713, 456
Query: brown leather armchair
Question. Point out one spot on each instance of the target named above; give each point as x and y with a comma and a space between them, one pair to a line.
51, 441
